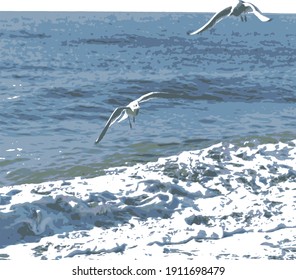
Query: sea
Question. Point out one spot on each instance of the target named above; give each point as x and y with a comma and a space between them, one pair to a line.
63, 74
231, 99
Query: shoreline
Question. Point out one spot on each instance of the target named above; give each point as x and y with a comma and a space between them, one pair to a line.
177, 206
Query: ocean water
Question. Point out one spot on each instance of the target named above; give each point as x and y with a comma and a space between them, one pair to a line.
208, 171
222, 202
62, 74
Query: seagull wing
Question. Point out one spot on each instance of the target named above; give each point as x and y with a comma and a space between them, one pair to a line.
215, 19
150, 95
114, 116
257, 12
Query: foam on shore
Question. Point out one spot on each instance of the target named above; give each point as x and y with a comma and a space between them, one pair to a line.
225, 202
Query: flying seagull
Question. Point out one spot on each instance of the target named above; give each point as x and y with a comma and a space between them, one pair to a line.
240, 8
130, 110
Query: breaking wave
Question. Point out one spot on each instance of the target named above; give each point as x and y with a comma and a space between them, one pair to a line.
196, 203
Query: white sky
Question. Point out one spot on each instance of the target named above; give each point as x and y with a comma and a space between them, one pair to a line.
266, 6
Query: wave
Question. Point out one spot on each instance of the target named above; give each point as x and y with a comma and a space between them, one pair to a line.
213, 197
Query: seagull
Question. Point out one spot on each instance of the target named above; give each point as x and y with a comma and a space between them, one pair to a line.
240, 8
130, 110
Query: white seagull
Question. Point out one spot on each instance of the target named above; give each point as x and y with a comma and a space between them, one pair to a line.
131, 110
240, 8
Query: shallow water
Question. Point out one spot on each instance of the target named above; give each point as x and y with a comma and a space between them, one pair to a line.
225, 201
62, 74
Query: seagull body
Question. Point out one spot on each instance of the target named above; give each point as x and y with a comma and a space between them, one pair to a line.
129, 111
240, 8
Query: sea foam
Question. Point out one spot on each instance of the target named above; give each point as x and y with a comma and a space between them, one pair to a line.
224, 201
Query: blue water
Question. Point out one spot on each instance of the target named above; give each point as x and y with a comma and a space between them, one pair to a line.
62, 74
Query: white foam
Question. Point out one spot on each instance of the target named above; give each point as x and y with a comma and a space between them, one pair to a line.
212, 202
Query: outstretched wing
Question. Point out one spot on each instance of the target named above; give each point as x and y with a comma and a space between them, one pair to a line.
114, 116
150, 95
257, 12
216, 18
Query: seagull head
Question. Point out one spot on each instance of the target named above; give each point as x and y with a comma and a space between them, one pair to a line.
134, 106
